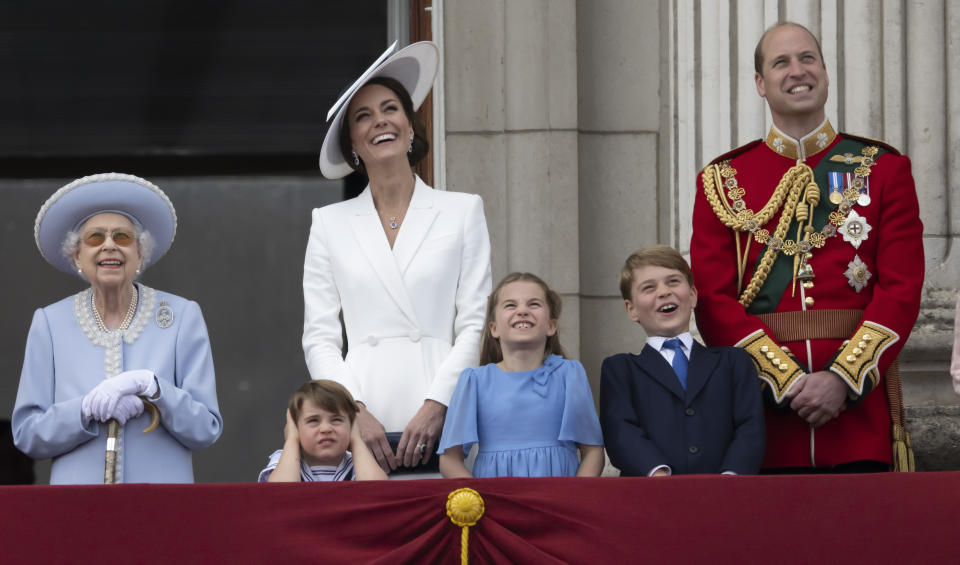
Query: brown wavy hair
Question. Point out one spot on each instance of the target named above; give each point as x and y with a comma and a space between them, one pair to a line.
490, 351
656, 256
329, 395
420, 144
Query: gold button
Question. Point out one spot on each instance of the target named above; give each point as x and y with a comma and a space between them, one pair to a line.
783, 368
808, 285
862, 345
776, 361
770, 355
851, 358
764, 349
857, 351
808, 300
785, 349
867, 337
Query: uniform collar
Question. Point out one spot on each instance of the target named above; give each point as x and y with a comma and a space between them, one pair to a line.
803, 148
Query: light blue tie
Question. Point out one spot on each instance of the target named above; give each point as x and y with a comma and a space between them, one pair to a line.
679, 360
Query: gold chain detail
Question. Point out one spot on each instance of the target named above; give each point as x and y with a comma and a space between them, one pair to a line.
736, 216
793, 180
798, 179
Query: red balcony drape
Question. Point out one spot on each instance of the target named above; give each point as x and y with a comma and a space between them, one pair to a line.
889, 518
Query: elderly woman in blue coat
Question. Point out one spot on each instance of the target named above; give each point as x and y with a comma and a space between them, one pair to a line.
96, 355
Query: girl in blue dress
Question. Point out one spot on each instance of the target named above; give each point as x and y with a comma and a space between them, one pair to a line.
529, 409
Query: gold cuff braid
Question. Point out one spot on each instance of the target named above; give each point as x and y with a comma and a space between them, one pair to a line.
860, 356
775, 366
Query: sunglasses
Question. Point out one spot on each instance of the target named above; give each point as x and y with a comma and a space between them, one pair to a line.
120, 237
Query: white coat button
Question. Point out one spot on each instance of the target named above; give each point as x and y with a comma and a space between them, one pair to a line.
415, 336
372, 340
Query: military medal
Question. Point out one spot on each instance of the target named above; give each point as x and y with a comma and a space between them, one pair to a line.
164, 316
854, 229
838, 183
857, 273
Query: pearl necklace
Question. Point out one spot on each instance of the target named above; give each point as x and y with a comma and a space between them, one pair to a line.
131, 310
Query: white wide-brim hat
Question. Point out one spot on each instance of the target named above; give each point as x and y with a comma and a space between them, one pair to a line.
414, 66
72, 205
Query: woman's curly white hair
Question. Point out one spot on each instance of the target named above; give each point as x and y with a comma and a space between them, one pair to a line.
145, 243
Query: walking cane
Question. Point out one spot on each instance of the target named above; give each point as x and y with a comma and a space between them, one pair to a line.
113, 430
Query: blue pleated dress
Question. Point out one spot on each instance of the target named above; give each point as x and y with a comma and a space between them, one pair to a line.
527, 424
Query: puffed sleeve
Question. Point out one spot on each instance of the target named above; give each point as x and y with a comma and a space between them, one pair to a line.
188, 409
580, 423
43, 428
322, 331
460, 425
472, 291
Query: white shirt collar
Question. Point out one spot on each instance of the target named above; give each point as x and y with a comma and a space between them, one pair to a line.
685, 338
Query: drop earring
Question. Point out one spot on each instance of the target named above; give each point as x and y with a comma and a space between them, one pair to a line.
356, 159
410, 149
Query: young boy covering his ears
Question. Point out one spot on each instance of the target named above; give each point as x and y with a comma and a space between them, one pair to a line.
320, 441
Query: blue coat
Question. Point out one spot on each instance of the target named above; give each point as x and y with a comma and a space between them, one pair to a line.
63, 363
648, 419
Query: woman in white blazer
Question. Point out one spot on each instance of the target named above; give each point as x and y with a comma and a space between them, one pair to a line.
406, 265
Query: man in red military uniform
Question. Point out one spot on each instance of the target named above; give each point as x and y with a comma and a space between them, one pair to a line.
807, 252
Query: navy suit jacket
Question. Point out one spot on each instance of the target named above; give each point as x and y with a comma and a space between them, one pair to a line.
715, 425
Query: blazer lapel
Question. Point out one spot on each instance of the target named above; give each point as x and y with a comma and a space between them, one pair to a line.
702, 364
416, 225
368, 232
651, 362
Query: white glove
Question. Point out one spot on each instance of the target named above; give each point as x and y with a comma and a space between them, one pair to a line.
128, 408
101, 402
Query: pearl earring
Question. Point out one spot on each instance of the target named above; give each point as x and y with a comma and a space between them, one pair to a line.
410, 149
356, 160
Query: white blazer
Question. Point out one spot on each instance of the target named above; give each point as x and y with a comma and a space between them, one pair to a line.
413, 314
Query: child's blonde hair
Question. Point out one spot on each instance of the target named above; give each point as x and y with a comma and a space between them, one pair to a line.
326, 394
657, 256
490, 351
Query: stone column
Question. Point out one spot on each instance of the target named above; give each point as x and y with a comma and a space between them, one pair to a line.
511, 135
622, 198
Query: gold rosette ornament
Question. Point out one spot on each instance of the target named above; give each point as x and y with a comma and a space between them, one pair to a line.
465, 508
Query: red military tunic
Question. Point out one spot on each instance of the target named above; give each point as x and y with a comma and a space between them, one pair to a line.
882, 277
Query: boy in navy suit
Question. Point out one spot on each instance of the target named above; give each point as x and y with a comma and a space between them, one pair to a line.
677, 407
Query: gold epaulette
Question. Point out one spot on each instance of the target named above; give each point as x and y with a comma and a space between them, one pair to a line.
857, 362
869, 141
775, 366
